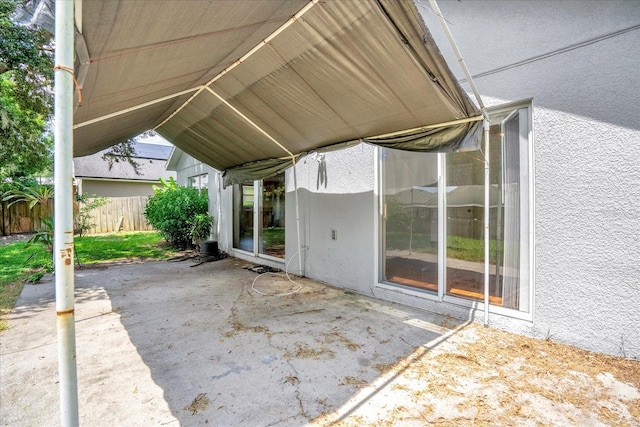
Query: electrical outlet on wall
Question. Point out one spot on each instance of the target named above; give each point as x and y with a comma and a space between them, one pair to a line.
334, 235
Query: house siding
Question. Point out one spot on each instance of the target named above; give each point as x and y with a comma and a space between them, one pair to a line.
115, 188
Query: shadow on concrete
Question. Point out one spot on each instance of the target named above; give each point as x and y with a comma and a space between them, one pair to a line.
167, 343
225, 355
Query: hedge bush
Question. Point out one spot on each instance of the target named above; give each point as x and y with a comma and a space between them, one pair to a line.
172, 211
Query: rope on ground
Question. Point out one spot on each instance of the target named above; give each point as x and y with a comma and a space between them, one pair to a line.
286, 274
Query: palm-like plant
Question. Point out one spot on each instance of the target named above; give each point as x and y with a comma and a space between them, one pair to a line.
35, 195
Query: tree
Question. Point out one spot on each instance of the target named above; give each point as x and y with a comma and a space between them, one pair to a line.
85, 204
26, 75
26, 101
41, 195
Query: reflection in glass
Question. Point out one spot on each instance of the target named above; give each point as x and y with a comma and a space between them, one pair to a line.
272, 203
243, 196
411, 219
464, 201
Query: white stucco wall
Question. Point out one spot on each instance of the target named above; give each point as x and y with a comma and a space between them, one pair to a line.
187, 166
344, 202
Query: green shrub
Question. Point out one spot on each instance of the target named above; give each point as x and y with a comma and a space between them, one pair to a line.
201, 228
172, 211
84, 205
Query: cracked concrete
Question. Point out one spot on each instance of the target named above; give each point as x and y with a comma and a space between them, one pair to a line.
162, 343
152, 337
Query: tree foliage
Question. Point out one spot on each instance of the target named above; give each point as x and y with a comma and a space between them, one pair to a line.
26, 76
32, 195
126, 151
173, 211
35, 195
26, 101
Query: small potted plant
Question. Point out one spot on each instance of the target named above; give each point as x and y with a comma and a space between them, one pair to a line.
201, 229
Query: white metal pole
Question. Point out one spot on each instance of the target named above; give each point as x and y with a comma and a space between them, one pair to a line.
487, 201
467, 73
295, 184
63, 221
454, 46
411, 225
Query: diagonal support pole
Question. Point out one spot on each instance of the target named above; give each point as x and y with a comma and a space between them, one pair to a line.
286, 150
467, 73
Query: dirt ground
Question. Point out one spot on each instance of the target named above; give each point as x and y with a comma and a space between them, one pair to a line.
166, 343
490, 377
12, 238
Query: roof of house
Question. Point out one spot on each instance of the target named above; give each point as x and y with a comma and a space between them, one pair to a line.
152, 151
152, 159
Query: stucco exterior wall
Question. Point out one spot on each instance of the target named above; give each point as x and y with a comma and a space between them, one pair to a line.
187, 166
336, 193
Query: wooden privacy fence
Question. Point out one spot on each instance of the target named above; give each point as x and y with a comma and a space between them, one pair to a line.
18, 218
118, 214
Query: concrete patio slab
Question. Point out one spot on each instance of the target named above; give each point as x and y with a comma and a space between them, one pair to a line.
166, 343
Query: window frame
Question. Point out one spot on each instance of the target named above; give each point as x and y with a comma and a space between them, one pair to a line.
500, 111
257, 214
198, 179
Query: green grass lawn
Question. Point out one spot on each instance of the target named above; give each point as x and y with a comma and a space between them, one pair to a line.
273, 237
20, 261
457, 247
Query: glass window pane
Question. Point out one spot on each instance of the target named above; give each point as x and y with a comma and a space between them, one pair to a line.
243, 216
199, 182
464, 195
410, 217
272, 240
410, 233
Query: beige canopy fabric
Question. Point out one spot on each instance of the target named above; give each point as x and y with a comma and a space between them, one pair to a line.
203, 75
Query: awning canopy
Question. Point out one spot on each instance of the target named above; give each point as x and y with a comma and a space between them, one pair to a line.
251, 82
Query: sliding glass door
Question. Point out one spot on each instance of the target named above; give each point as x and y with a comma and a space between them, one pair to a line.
432, 233
271, 216
243, 216
259, 216
411, 219
464, 202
